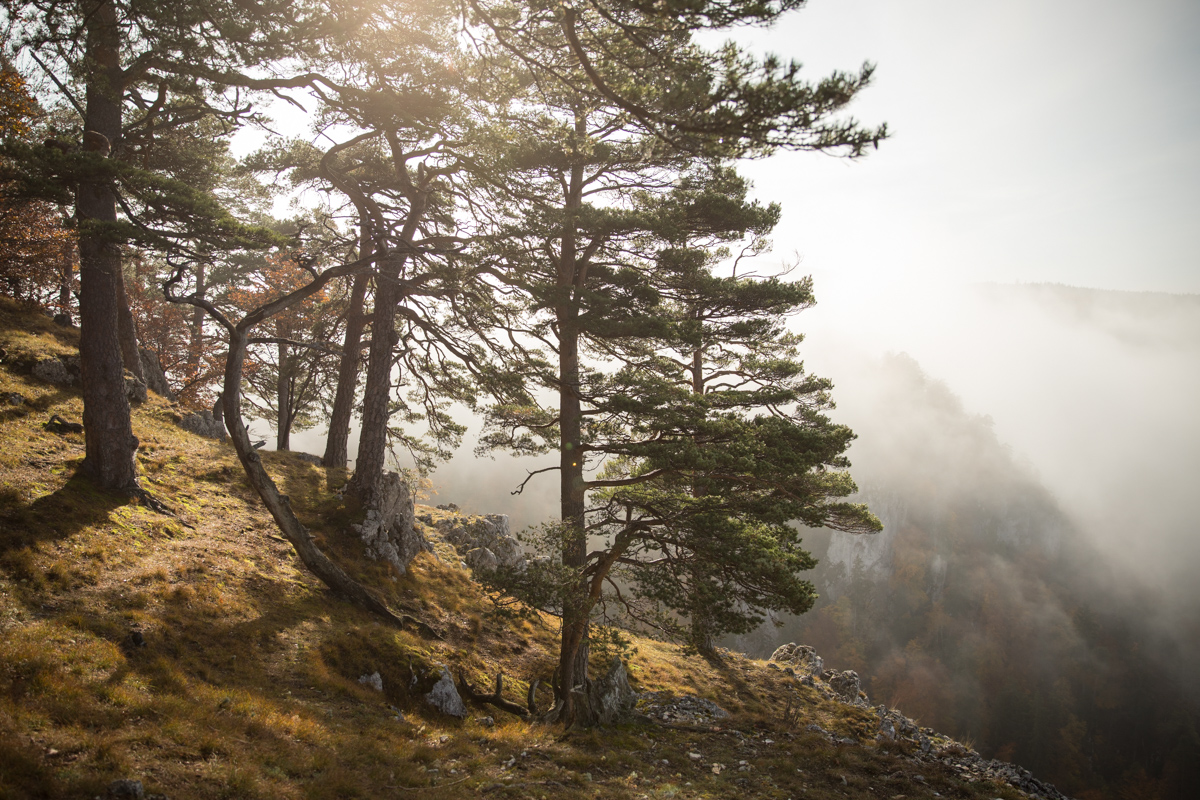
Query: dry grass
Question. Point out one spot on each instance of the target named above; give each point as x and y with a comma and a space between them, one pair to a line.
246, 685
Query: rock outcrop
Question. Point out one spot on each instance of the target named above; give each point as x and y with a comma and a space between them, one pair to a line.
203, 423
388, 530
845, 687
481, 541
156, 379
59, 371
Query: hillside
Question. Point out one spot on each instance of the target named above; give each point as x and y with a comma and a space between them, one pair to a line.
987, 611
193, 655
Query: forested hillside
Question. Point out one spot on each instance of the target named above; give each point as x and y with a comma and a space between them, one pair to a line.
981, 609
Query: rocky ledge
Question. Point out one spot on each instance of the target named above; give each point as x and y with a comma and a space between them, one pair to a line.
803, 664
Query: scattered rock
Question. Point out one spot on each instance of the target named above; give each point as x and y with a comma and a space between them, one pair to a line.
448, 507
14, 399
309, 457
203, 423
374, 680
388, 530
444, 696
686, 709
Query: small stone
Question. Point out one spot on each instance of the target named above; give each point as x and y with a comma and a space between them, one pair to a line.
374, 680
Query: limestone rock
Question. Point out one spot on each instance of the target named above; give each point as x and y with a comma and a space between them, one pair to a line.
802, 657
374, 680
487, 536
612, 696
388, 530
444, 696
846, 685
202, 423
481, 558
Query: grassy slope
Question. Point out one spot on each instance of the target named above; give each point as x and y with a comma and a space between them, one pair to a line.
247, 686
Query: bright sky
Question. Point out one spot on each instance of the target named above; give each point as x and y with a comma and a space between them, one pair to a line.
1034, 141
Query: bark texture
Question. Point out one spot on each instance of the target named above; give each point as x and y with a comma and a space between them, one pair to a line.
108, 432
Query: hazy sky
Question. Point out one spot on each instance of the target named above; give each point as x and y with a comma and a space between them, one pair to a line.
1033, 140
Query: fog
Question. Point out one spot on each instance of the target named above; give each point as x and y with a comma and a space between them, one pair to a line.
1095, 391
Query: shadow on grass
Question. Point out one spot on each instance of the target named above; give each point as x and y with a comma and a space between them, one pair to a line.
77, 505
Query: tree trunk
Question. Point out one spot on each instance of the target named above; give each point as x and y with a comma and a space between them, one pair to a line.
336, 449
572, 276
131, 357
283, 400
108, 433
372, 442
196, 344
278, 504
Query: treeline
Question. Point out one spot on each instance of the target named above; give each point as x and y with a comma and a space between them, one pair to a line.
530, 209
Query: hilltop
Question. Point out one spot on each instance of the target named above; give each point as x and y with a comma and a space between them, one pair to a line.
192, 653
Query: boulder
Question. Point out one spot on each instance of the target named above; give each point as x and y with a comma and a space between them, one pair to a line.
444, 696
203, 423
53, 370
612, 696
602, 702
388, 530
374, 680
481, 559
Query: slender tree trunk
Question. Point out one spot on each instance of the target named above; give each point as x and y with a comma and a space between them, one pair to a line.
196, 344
573, 655
336, 449
108, 434
283, 400
372, 442
701, 631
127, 332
